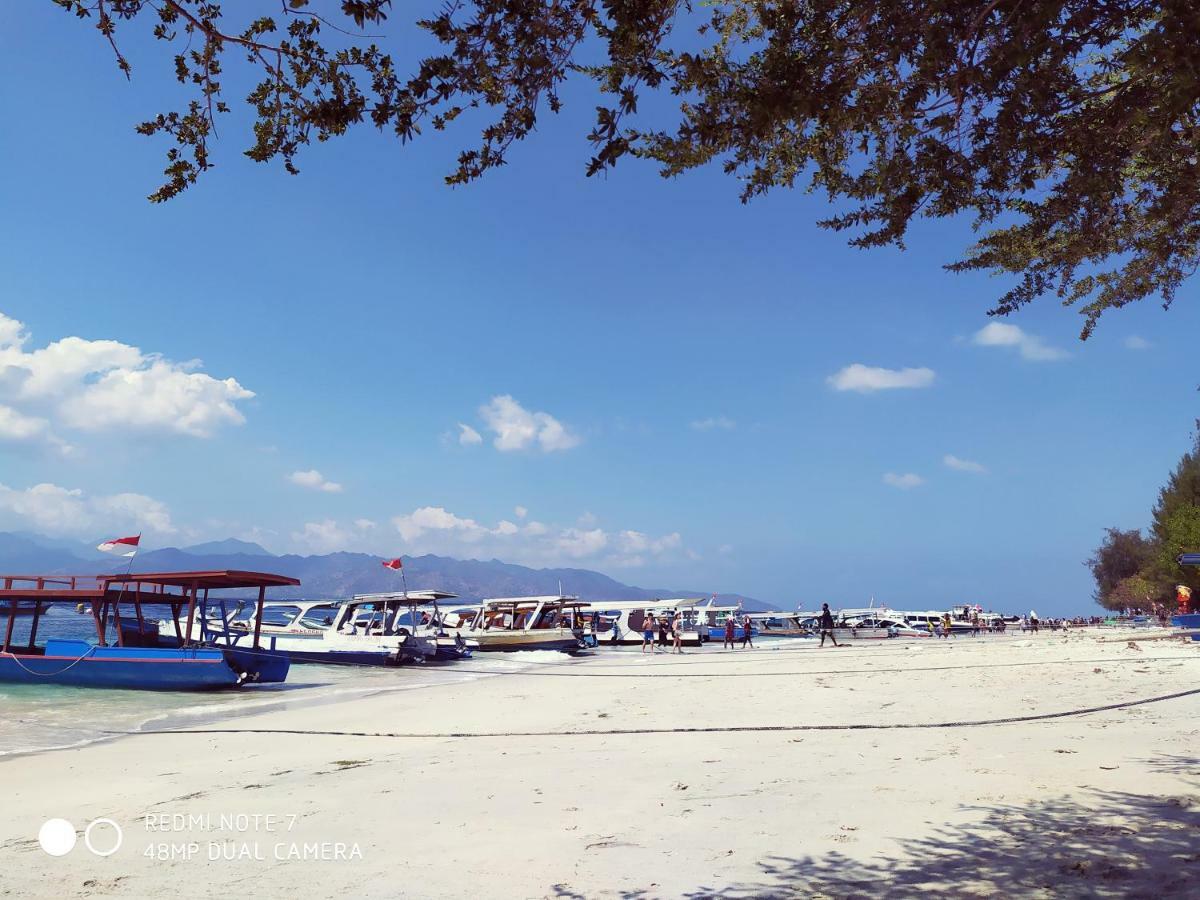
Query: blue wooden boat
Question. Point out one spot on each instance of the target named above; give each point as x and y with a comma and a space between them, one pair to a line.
1188, 620
80, 664
139, 657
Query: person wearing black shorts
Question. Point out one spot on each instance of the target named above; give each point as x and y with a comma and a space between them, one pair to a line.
826, 622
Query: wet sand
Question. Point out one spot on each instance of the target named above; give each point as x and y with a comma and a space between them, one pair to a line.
488, 788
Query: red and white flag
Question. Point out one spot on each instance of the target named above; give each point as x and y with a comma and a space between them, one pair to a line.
124, 546
393, 564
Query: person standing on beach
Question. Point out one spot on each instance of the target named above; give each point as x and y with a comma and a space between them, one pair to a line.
747, 631
826, 622
677, 631
1033, 621
729, 625
946, 626
648, 633
664, 626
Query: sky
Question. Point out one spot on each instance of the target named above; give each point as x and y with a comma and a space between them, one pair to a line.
626, 373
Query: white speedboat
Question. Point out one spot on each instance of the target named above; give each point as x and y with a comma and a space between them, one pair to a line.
621, 622
523, 623
305, 631
415, 613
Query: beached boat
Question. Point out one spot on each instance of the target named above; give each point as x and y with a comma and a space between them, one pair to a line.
712, 622
368, 630
523, 623
620, 623
783, 624
415, 615
131, 652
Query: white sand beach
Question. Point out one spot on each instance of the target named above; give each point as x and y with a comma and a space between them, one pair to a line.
1105, 803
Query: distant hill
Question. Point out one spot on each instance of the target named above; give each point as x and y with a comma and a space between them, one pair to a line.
229, 545
337, 575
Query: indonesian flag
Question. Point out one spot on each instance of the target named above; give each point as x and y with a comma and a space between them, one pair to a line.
394, 564
125, 546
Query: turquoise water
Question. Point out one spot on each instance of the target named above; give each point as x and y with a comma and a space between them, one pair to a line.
37, 717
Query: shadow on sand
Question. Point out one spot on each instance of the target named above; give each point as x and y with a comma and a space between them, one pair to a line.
1109, 844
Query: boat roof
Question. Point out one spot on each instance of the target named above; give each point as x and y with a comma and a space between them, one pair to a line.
409, 596
644, 604
214, 579
534, 601
80, 588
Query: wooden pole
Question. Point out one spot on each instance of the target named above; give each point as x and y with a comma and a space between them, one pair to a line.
12, 620
117, 621
37, 614
187, 640
99, 624
262, 593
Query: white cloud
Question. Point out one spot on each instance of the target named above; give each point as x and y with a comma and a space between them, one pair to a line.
435, 529
712, 422
867, 379
468, 436
58, 511
963, 465
1137, 342
314, 480
88, 385
520, 512
516, 428
18, 428
578, 543
326, 537
437, 519
1030, 346
905, 482
364, 524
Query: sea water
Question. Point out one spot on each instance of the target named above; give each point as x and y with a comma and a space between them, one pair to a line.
49, 717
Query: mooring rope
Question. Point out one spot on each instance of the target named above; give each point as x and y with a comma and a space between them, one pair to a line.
712, 729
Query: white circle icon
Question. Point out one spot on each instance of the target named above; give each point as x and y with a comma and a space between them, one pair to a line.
57, 837
87, 837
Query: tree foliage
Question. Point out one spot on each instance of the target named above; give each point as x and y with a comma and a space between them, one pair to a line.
1176, 521
1133, 570
1067, 131
1122, 556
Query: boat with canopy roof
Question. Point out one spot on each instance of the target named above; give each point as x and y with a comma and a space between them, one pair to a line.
131, 651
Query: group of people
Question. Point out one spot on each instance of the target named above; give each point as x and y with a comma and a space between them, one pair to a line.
663, 625
731, 623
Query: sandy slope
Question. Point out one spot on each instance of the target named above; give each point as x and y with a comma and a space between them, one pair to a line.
1101, 804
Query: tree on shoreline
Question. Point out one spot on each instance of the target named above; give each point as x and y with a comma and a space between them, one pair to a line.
1132, 570
1066, 132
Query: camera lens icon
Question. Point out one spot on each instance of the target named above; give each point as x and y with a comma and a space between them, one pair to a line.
57, 837
103, 837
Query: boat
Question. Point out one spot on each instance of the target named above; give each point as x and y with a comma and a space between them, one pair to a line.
421, 623
620, 622
23, 608
712, 622
783, 624
130, 651
364, 631
523, 623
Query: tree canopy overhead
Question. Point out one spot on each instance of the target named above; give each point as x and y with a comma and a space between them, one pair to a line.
1066, 130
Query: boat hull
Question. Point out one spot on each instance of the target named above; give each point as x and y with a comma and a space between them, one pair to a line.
512, 642
1188, 620
79, 664
717, 633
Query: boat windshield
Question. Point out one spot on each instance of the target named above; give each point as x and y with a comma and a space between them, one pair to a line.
318, 617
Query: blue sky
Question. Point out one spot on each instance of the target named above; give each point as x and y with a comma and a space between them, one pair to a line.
669, 354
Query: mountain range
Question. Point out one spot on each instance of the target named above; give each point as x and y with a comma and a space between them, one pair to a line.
337, 575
